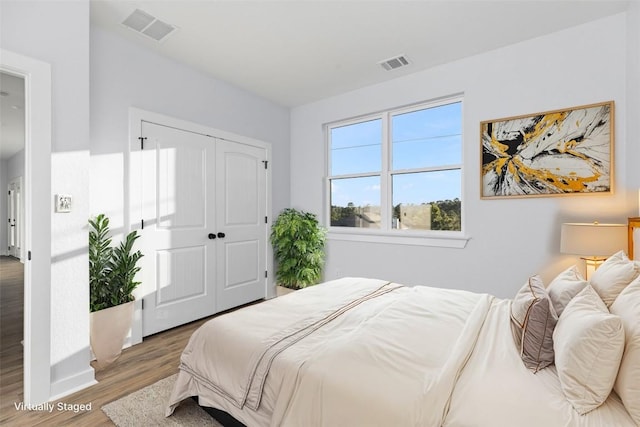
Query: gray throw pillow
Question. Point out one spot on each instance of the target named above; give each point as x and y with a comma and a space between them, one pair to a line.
534, 319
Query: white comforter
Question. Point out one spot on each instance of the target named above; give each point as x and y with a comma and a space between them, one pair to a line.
363, 352
497, 390
388, 359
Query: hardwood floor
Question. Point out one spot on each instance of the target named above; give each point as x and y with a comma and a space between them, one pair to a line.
11, 329
157, 357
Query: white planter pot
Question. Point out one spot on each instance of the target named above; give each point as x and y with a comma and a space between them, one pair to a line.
281, 290
109, 328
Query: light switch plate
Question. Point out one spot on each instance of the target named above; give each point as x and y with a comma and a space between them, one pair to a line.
63, 202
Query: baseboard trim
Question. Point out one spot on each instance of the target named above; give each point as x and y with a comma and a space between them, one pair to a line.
72, 384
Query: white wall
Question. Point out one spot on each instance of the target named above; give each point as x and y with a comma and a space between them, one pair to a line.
126, 75
57, 32
510, 239
15, 165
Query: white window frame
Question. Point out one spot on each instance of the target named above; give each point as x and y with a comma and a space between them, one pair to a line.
440, 238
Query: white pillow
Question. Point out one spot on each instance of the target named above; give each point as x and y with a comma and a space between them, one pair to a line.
627, 384
588, 342
613, 276
564, 287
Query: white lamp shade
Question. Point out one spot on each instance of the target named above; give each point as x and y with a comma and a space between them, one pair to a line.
594, 240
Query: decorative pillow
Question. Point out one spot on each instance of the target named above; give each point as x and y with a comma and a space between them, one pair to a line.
588, 342
627, 384
534, 318
564, 287
613, 275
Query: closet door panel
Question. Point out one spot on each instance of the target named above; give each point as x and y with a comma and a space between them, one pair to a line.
241, 207
178, 267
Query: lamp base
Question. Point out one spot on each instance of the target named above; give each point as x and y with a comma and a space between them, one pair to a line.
592, 263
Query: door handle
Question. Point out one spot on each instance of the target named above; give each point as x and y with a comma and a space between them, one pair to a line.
221, 235
211, 236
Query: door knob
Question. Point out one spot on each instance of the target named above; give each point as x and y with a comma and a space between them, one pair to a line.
221, 235
212, 236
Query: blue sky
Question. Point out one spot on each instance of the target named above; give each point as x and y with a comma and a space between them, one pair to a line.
420, 139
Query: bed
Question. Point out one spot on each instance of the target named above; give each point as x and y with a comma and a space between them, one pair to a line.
367, 352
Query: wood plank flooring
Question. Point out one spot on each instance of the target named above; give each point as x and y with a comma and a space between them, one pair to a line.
157, 357
11, 329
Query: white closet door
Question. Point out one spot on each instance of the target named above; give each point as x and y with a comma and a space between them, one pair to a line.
241, 220
178, 175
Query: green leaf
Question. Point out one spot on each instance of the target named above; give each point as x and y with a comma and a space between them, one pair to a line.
111, 270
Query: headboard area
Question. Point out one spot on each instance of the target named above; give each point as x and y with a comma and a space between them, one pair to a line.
633, 223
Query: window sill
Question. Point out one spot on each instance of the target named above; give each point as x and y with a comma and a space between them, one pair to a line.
441, 241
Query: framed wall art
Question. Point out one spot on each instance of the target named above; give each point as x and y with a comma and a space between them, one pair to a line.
551, 153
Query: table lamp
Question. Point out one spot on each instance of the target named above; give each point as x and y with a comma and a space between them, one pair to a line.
594, 241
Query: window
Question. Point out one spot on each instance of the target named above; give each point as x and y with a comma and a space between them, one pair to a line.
398, 171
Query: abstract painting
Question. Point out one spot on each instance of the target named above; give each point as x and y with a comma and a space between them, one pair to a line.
557, 152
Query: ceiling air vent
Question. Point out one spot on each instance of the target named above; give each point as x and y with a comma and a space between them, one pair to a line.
393, 63
143, 23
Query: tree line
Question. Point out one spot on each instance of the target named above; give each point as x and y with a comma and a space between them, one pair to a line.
445, 214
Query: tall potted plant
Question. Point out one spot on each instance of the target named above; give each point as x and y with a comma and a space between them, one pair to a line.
298, 242
112, 273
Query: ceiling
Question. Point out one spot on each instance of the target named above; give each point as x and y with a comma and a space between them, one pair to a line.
11, 115
296, 52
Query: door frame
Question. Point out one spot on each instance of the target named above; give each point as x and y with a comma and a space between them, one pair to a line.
37, 223
133, 163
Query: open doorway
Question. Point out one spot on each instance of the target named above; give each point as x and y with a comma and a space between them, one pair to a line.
35, 245
12, 168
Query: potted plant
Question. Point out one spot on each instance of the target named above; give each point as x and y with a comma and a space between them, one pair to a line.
298, 242
112, 273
